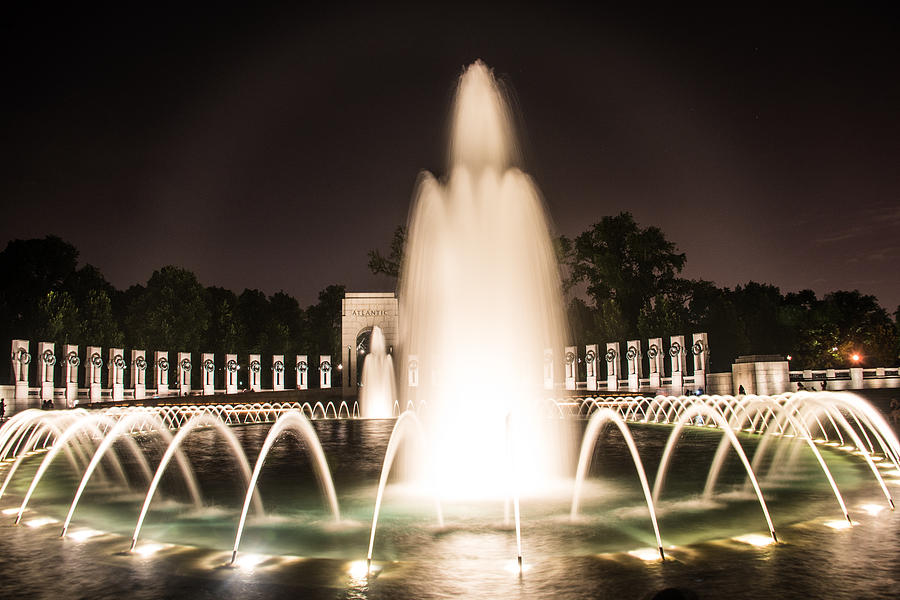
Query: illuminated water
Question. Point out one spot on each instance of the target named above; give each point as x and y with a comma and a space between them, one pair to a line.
480, 299
473, 554
379, 389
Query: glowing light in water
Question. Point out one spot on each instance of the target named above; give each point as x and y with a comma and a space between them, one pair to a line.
146, 550
83, 535
40, 522
840, 524
516, 568
755, 539
248, 562
646, 554
872, 509
359, 570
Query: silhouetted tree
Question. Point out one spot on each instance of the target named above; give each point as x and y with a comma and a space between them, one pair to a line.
29, 270
624, 263
391, 264
170, 313
324, 325
253, 314
223, 334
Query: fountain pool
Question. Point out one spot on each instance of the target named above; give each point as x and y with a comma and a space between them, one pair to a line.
295, 542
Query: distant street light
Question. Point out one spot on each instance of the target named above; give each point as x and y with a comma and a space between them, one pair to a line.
855, 358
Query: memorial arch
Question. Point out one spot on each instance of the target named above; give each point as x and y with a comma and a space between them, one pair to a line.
360, 312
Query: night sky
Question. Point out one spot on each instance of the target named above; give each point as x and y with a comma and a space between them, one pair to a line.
272, 148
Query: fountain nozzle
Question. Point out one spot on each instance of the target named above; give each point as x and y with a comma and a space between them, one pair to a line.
368, 565
133, 544
662, 555
774, 537
233, 557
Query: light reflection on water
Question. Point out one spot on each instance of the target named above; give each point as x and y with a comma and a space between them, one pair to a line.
474, 555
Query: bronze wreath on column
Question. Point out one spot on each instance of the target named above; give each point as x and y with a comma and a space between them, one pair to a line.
48, 357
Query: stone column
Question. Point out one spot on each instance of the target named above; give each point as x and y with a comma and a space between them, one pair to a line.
591, 361
349, 371
856, 378
45, 369
548, 368
700, 352
412, 370
139, 373
184, 373
208, 378
635, 371
278, 372
93, 374
325, 371
231, 373
676, 356
571, 367
21, 358
302, 372
254, 373
116, 367
612, 366
70, 374
162, 373
655, 362
351, 385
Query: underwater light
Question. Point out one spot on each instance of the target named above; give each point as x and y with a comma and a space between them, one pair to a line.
514, 567
872, 509
40, 522
149, 549
755, 539
84, 534
358, 569
249, 561
645, 554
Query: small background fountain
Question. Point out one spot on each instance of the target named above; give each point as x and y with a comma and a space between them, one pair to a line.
379, 389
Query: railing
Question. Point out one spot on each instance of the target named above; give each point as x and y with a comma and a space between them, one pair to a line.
852, 378
665, 385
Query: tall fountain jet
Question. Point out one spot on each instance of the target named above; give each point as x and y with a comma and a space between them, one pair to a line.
378, 391
480, 296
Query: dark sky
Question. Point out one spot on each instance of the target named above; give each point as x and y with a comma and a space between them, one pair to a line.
271, 148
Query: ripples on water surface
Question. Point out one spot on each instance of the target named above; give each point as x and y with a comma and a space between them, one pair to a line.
474, 554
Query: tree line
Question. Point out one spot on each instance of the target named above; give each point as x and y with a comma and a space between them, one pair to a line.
623, 281
46, 296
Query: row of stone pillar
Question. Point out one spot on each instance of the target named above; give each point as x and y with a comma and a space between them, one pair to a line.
115, 364
677, 352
